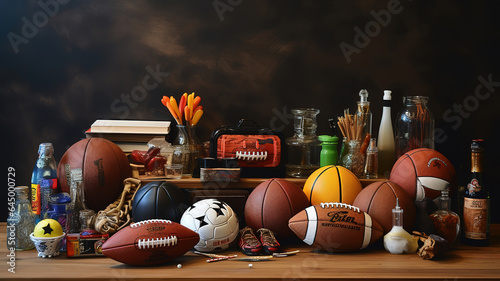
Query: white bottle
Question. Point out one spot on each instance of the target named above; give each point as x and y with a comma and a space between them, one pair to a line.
385, 145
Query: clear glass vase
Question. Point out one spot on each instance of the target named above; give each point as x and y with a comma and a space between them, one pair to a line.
304, 147
414, 125
188, 148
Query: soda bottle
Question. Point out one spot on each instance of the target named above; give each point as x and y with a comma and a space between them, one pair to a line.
45, 168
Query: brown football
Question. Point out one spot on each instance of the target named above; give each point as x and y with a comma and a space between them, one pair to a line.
150, 242
104, 167
336, 227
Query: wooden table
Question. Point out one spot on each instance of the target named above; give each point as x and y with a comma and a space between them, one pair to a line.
463, 263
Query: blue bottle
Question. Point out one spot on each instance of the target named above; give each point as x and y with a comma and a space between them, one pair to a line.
58, 210
45, 168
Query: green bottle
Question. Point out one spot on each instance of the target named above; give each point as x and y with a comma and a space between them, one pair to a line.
329, 154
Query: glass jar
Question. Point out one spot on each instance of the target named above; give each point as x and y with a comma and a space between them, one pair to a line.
354, 159
21, 222
304, 147
187, 148
414, 125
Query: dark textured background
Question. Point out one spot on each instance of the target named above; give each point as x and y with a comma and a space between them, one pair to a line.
252, 60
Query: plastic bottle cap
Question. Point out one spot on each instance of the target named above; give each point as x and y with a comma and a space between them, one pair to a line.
326, 138
387, 95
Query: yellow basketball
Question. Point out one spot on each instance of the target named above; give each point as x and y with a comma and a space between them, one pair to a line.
48, 228
332, 184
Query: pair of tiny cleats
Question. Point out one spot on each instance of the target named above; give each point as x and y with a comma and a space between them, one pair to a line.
252, 246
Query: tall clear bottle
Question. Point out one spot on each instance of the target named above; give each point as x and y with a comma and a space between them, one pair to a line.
304, 147
364, 115
385, 145
45, 168
77, 201
21, 222
476, 213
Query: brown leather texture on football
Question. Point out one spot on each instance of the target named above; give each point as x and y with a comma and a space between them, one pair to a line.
336, 227
150, 242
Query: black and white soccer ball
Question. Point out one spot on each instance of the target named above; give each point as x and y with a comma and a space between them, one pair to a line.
214, 221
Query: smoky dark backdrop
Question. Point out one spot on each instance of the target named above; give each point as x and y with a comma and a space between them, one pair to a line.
64, 64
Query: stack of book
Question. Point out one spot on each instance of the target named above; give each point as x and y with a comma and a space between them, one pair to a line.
128, 134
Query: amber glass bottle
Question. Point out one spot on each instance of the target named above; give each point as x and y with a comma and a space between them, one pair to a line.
476, 213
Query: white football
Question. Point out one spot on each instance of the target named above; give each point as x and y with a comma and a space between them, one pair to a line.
214, 221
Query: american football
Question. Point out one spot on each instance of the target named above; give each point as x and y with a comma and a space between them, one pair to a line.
336, 227
150, 242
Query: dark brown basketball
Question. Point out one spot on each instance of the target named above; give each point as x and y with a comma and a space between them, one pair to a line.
424, 173
104, 167
379, 198
272, 203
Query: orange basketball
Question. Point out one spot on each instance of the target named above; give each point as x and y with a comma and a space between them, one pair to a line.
424, 173
332, 184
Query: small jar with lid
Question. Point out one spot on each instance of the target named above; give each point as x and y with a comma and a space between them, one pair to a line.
329, 154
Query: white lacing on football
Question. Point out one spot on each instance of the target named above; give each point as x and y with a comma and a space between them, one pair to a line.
339, 205
137, 224
248, 155
156, 243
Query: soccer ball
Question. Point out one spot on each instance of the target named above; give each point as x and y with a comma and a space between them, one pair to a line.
214, 221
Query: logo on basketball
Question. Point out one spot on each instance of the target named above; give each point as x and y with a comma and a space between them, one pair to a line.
435, 163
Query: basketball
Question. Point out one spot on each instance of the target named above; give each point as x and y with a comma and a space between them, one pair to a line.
272, 204
332, 184
424, 173
104, 167
214, 221
159, 200
379, 198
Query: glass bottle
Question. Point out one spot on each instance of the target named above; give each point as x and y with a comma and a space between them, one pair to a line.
329, 154
414, 125
343, 150
21, 222
386, 147
45, 168
77, 201
371, 162
304, 147
354, 159
188, 149
446, 222
364, 115
476, 213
